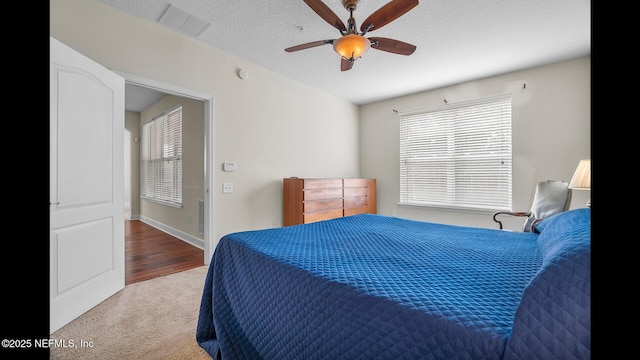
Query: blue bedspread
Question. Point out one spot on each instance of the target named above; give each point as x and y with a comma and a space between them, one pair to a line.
366, 287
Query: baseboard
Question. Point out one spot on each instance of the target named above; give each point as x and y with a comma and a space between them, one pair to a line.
199, 243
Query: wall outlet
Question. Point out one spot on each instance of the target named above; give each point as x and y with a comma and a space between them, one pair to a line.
227, 188
393, 212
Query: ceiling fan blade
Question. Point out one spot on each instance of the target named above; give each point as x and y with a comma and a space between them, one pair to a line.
327, 14
308, 45
345, 64
387, 13
392, 46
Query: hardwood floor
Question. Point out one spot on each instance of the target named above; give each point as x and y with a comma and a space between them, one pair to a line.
150, 253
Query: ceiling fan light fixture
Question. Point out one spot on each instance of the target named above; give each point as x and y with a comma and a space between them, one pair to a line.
352, 46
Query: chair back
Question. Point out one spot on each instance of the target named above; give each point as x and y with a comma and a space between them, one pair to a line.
551, 197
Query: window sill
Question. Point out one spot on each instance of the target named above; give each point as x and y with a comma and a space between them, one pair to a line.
161, 202
448, 208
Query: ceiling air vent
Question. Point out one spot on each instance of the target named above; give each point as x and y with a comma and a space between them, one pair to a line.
183, 22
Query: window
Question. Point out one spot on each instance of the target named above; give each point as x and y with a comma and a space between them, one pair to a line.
457, 155
161, 158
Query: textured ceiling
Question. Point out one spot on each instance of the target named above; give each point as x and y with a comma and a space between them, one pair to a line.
457, 40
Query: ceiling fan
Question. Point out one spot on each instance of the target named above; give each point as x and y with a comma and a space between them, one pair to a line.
352, 45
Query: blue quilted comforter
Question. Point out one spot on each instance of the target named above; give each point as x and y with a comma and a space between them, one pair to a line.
376, 287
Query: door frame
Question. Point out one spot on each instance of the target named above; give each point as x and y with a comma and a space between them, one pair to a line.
209, 158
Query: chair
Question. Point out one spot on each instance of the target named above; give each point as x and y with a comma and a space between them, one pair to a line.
551, 197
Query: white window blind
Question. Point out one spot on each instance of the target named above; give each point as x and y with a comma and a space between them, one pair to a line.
457, 155
161, 158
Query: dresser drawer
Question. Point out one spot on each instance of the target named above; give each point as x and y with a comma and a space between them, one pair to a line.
355, 210
322, 183
352, 192
321, 194
355, 201
355, 183
322, 215
322, 205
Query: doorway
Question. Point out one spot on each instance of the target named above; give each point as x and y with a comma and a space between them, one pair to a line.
161, 89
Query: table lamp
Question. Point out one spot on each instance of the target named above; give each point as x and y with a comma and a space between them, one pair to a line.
581, 179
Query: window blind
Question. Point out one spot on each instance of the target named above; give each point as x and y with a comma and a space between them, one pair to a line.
161, 158
457, 155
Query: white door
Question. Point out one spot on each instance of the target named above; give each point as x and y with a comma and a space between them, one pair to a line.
86, 242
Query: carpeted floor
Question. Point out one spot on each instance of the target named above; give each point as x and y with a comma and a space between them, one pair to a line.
153, 319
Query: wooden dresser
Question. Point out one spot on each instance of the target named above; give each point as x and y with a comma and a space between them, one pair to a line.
310, 200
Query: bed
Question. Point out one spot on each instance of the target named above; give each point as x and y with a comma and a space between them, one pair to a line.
376, 287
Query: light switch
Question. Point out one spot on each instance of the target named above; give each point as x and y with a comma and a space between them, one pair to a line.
227, 188
228, 166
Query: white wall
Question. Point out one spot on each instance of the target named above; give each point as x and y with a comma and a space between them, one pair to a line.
551, 133
271, 126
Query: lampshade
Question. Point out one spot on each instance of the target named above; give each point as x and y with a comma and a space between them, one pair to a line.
581, 179
351, 46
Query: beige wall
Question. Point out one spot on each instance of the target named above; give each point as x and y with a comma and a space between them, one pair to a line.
274, 127
271, 126
184, 220
551, 133
132, 164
